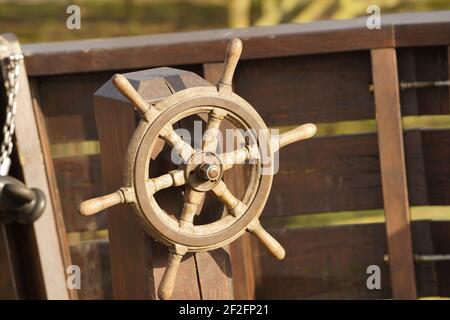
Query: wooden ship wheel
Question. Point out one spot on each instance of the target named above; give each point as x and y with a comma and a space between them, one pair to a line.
201, 171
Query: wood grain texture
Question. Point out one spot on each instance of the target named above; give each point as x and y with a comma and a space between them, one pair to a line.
198, 276
92, 256
393, 172
331, 262
215, 274
116, 123
79, 178
52, 183
441, 240
424, 64
348, 175
48, 232
437, 157
290, 91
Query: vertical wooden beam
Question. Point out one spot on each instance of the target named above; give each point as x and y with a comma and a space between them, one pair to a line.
393, 172
137, 261
131, 254
55, 199
47, 240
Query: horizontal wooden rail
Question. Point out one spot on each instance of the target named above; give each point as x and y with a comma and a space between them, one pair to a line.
432, 28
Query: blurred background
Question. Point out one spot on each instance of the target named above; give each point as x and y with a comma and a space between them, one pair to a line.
44, 20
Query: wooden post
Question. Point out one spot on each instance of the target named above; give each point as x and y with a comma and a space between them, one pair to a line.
44, 252
393, 172
138, 261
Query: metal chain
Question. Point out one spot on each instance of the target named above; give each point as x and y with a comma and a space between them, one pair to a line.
10, 70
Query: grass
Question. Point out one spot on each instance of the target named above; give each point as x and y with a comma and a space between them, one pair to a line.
46, 20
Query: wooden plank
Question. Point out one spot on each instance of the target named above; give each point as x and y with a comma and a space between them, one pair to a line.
331, 262
430, 33
214, 274
131, 280
416, 175
436, 153
93, 258
347, 177
432, 65
424, 64
67, 105
48, 232
79, 178
242, 252
288, 91
407, 73
52, 183
324, 263
426, 274
393, 172
441, 243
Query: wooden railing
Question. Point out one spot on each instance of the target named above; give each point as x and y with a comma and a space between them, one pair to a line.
320, 72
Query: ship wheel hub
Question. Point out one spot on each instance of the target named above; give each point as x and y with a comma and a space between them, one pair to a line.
203, 171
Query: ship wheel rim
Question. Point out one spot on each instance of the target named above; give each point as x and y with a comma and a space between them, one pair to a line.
147, 205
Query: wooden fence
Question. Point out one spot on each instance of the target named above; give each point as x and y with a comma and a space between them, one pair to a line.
323, 72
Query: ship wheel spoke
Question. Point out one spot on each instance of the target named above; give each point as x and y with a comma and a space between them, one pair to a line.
211, 136
274, 247
235, 206
181, 147
173, 178
192, 202
249, 152
303, 132
167, 283
193, 198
